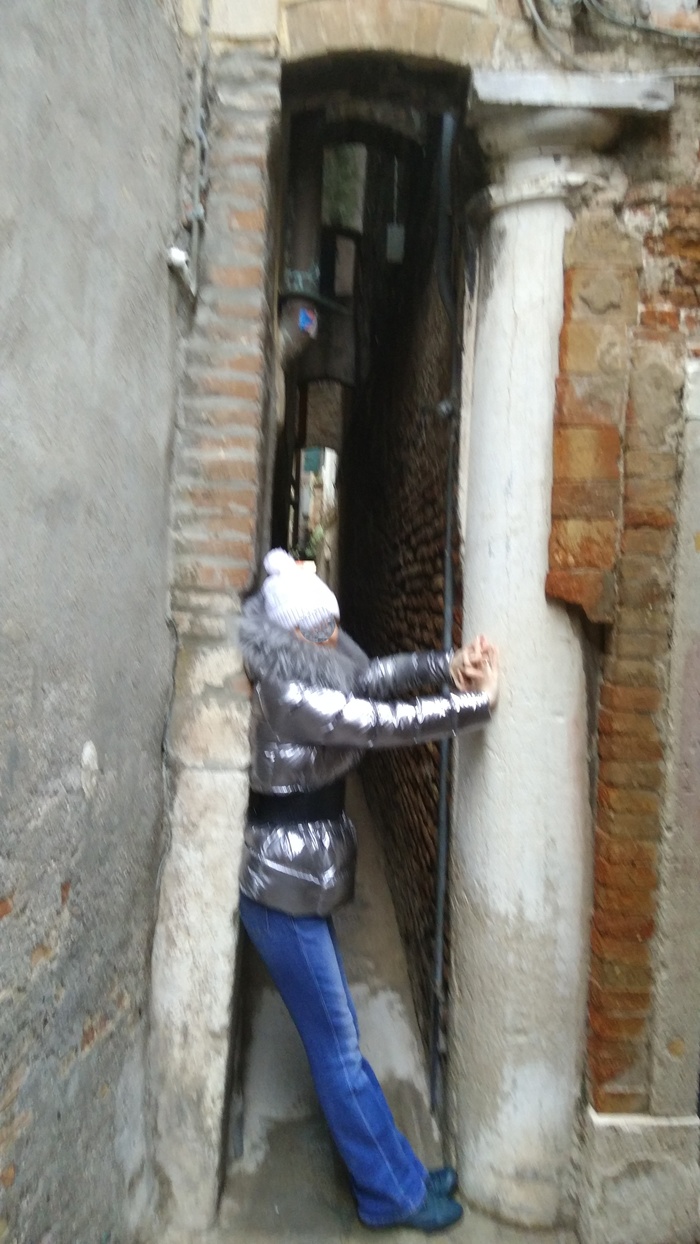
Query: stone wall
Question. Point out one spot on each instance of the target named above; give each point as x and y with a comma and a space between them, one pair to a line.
221, 460
631, 321
90, 127
393, 538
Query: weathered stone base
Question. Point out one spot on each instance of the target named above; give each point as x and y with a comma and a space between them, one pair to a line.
194, 959
640, 1180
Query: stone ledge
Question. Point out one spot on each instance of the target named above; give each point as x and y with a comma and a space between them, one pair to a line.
620, 92
640, 1180
194, 964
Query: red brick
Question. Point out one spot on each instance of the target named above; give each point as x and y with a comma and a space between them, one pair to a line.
640, 725
193, 574
253, 219
241, 414
636, 646
587, 347
586, 400
215, 384
682, 242
203, 546
576, 543
648, 516
642, 540
632, 875
629, 902
614, 1029
650, 464
620, 977
629, 747
610, 1059
613, 1003
650, 620
593, 590
660, 493
237, 278
630, 699
626, 850
612, 1102
690, 321
633, 952
684, 293
586, 498
634, 673
683, 196
248, 310
231, 525
627, 825
638, 592
653, 315
624, 924
625, 800
586, 453
227, 469
632, 773
225, 499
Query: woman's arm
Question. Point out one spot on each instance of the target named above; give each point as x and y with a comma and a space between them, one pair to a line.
309, 714
405, 673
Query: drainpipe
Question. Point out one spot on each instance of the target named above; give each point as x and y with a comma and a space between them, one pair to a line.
447, 409
300, 292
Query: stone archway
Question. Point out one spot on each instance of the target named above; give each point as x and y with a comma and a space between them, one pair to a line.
446, 33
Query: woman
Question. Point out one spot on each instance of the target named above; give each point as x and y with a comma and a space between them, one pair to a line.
318, 704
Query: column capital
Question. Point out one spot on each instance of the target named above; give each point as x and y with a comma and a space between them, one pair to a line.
541, 131
515, 132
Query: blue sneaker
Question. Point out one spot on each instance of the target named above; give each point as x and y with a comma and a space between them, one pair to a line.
442, 1181
435, 1213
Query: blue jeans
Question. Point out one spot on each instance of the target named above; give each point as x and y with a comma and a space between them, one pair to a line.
301, 955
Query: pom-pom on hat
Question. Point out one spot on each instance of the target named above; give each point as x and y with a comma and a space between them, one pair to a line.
293, 598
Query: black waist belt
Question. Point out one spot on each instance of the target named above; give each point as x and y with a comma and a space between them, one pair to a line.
325, 804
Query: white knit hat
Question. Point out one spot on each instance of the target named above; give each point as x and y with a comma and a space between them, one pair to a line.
294, 598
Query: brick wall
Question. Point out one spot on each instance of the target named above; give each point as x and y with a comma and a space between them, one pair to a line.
631, 316
394, 477
216, 500
220, 482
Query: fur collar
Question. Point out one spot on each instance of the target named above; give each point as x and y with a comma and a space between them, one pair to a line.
270, 651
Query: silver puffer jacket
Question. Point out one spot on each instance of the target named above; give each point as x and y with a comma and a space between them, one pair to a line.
315, 710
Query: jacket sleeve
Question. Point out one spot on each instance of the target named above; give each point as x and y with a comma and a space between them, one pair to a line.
407, 673
309, 714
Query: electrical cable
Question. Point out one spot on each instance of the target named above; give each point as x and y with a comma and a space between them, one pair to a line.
566, 57
575, 62
635, 23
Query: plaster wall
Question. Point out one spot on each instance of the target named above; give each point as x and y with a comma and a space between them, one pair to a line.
89, 145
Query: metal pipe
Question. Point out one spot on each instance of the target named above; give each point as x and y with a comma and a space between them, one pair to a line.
448, 410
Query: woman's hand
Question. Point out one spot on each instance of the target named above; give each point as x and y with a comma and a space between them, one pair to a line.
475, 668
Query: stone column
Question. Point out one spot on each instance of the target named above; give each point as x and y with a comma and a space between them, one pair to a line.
523, 834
